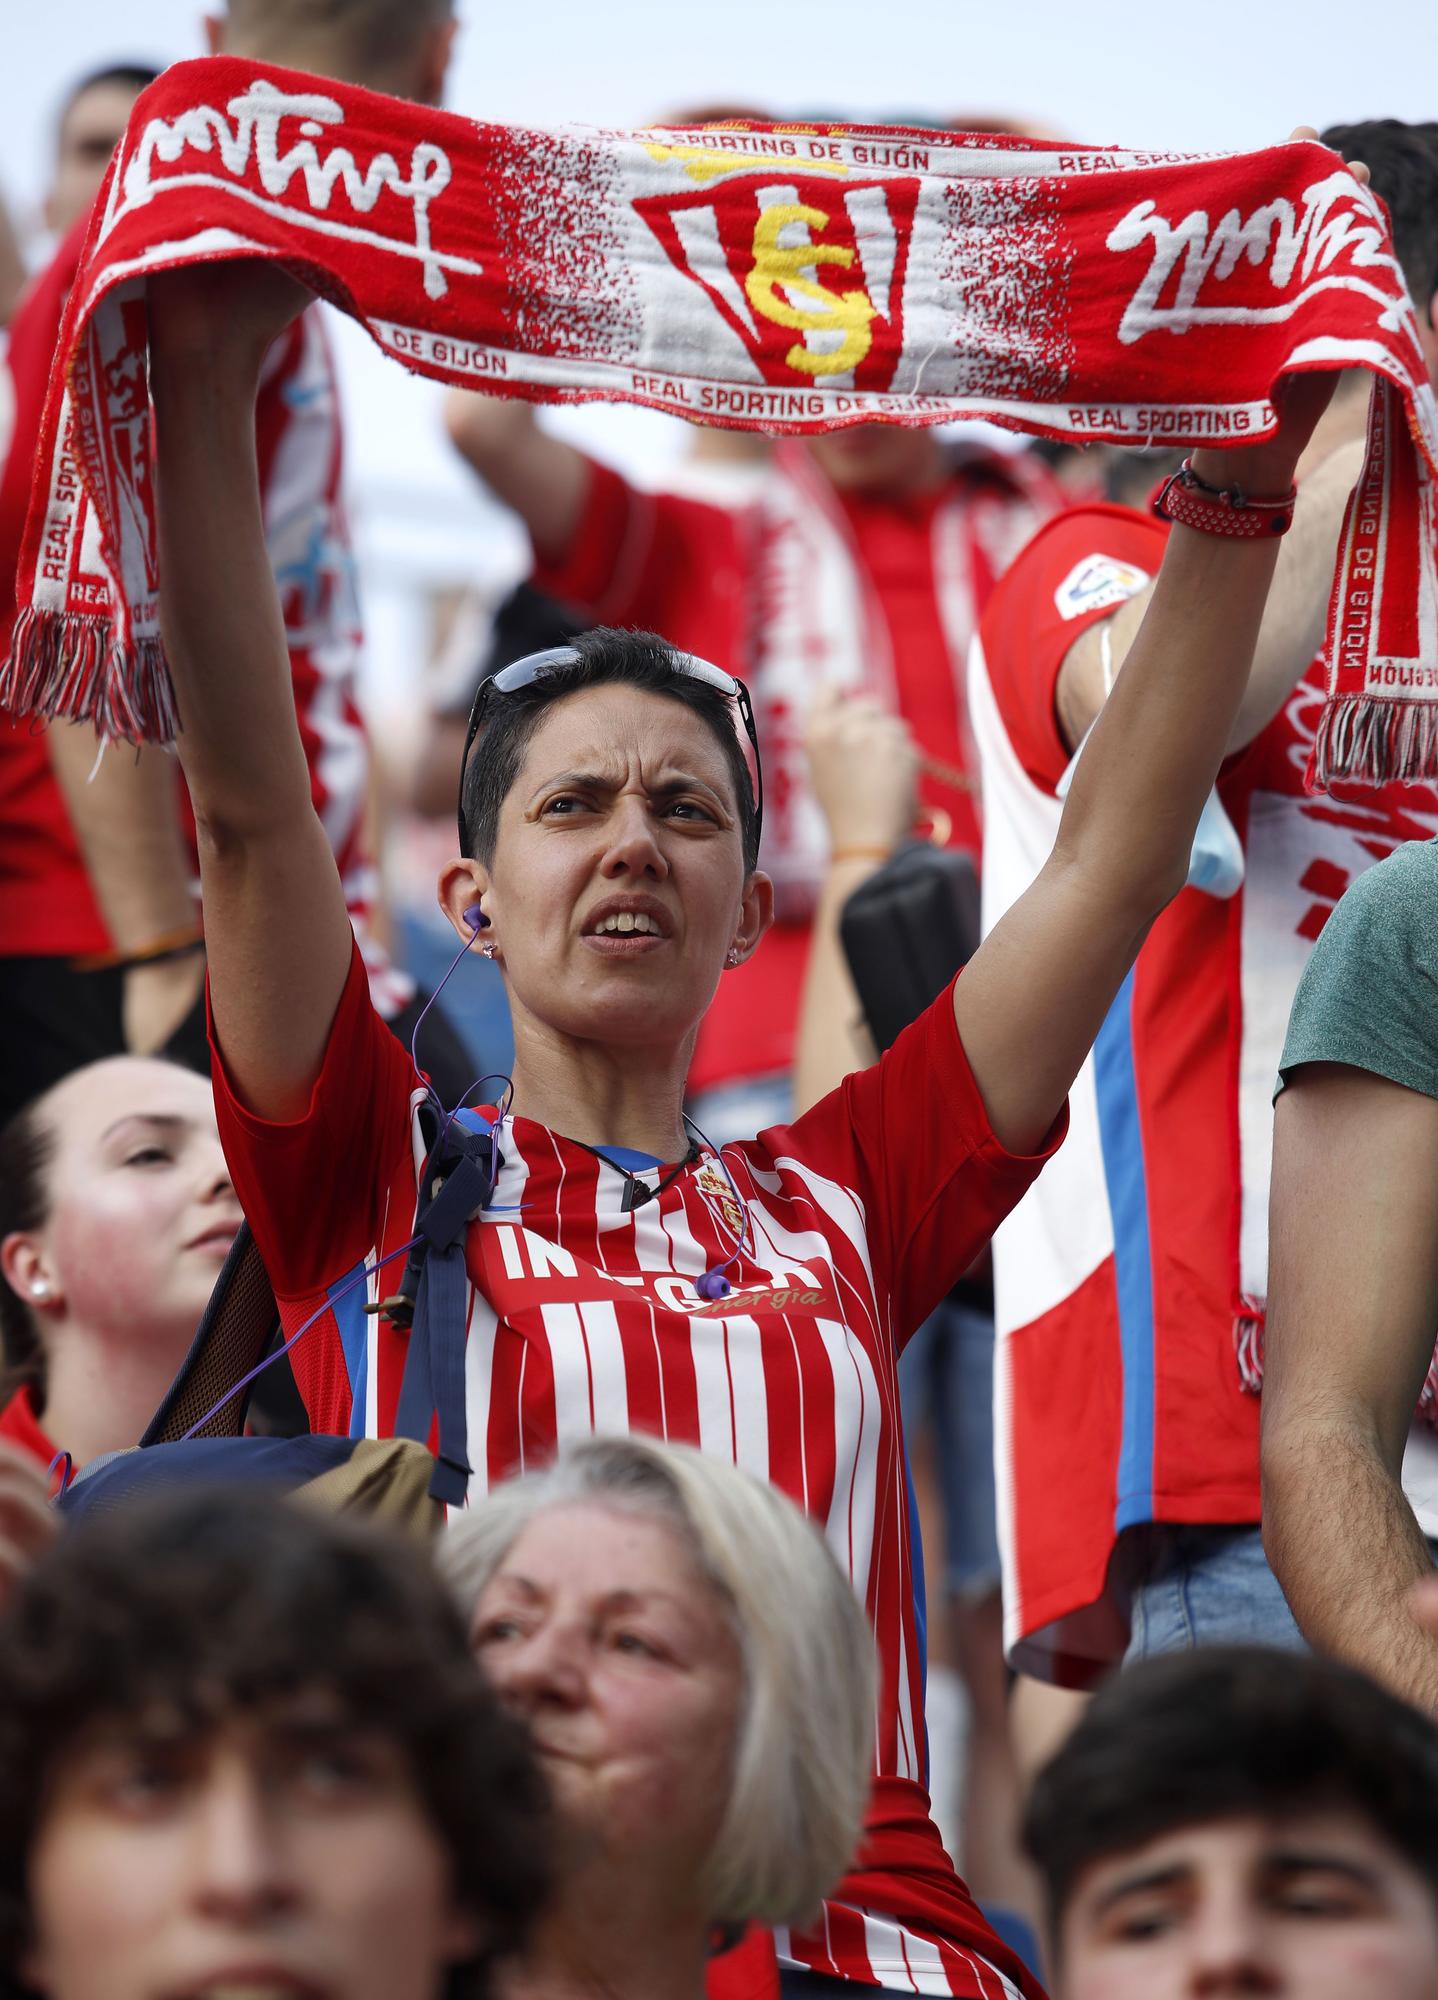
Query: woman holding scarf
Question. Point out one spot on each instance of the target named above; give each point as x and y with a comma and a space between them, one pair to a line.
619, 1274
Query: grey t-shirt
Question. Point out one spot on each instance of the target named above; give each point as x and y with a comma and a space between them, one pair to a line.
1369, 993
1369, 998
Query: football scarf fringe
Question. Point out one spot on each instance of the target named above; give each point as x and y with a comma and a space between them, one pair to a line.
784, 278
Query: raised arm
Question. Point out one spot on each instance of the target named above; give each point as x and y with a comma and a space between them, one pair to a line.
126, 816
1292, 624
277, 930
1035, 994
1353, 1310
540, 477
863, 765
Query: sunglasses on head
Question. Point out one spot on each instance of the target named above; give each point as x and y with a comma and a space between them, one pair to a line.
556, 660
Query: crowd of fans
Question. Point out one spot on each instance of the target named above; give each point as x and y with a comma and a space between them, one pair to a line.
582, 1491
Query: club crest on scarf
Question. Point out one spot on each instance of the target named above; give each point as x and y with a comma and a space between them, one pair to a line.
127, 397
808, 274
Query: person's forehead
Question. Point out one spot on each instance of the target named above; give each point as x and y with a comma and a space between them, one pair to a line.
86, 1103
1243, 1842
97, 117
606, 728
610, 1548
215, 1717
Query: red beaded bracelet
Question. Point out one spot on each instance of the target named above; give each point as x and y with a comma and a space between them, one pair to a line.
1221, 510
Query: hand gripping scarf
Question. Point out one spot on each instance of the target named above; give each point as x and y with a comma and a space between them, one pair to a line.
786, 278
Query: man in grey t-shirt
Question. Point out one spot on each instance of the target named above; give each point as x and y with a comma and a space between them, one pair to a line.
1353, 1293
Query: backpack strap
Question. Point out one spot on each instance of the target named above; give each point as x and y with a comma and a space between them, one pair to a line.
457, 1180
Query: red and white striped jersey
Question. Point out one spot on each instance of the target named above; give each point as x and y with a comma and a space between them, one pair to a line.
1128, 1284
583, 1319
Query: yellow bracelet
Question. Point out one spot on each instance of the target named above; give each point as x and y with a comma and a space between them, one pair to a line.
860, 854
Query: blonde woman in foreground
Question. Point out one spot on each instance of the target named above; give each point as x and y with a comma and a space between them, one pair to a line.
698, 1679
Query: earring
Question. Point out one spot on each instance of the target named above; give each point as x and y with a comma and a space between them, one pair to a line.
489, 949
39, 1289
731, 957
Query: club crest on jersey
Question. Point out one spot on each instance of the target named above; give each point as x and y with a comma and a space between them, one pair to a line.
808, 274
713, 1183
1096, 583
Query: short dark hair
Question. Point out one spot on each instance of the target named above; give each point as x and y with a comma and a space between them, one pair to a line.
136, 76
636, 659
355, 37
220, 1603
1402, 161
1227, 1731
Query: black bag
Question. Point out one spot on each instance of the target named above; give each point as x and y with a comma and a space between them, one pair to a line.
907, 930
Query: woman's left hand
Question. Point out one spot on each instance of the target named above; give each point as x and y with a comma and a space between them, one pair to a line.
1300, 399
864, 766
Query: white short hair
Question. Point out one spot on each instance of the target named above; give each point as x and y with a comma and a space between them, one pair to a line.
803, 1760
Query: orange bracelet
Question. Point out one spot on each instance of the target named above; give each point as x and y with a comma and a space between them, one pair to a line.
860, 854
171, 944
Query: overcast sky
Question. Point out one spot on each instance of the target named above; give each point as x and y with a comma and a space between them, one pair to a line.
1168, 72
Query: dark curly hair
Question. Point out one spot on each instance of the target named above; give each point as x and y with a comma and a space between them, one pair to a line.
1403, 162
227, 1602
1190, 1738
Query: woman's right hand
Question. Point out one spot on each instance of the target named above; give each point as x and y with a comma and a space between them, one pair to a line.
228, 310
864, 766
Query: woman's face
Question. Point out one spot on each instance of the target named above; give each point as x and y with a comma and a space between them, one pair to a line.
599, 1629
141, 1210
280, 1854
623, 813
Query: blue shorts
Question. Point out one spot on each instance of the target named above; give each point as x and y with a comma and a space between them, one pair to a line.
1192, 1587
946, 1376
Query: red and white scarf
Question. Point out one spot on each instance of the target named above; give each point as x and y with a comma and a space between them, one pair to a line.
784, 278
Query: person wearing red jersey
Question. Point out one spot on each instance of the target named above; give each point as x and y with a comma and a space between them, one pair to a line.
1131, 1282
102, 939
53, 1015
614, 1275
862, 562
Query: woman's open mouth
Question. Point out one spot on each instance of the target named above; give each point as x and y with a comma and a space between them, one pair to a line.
627, 927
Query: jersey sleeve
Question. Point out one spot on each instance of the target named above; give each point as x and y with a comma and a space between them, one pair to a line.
634, 553
1075, 572
911, 1136
313, 1189
1369, 993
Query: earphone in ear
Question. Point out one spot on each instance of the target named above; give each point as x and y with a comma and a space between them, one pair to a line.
474, 916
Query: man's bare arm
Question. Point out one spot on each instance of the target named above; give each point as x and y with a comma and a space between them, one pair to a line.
543, 479
863, 766
1035, 994
1288, 638
125, 813
1353, 1311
